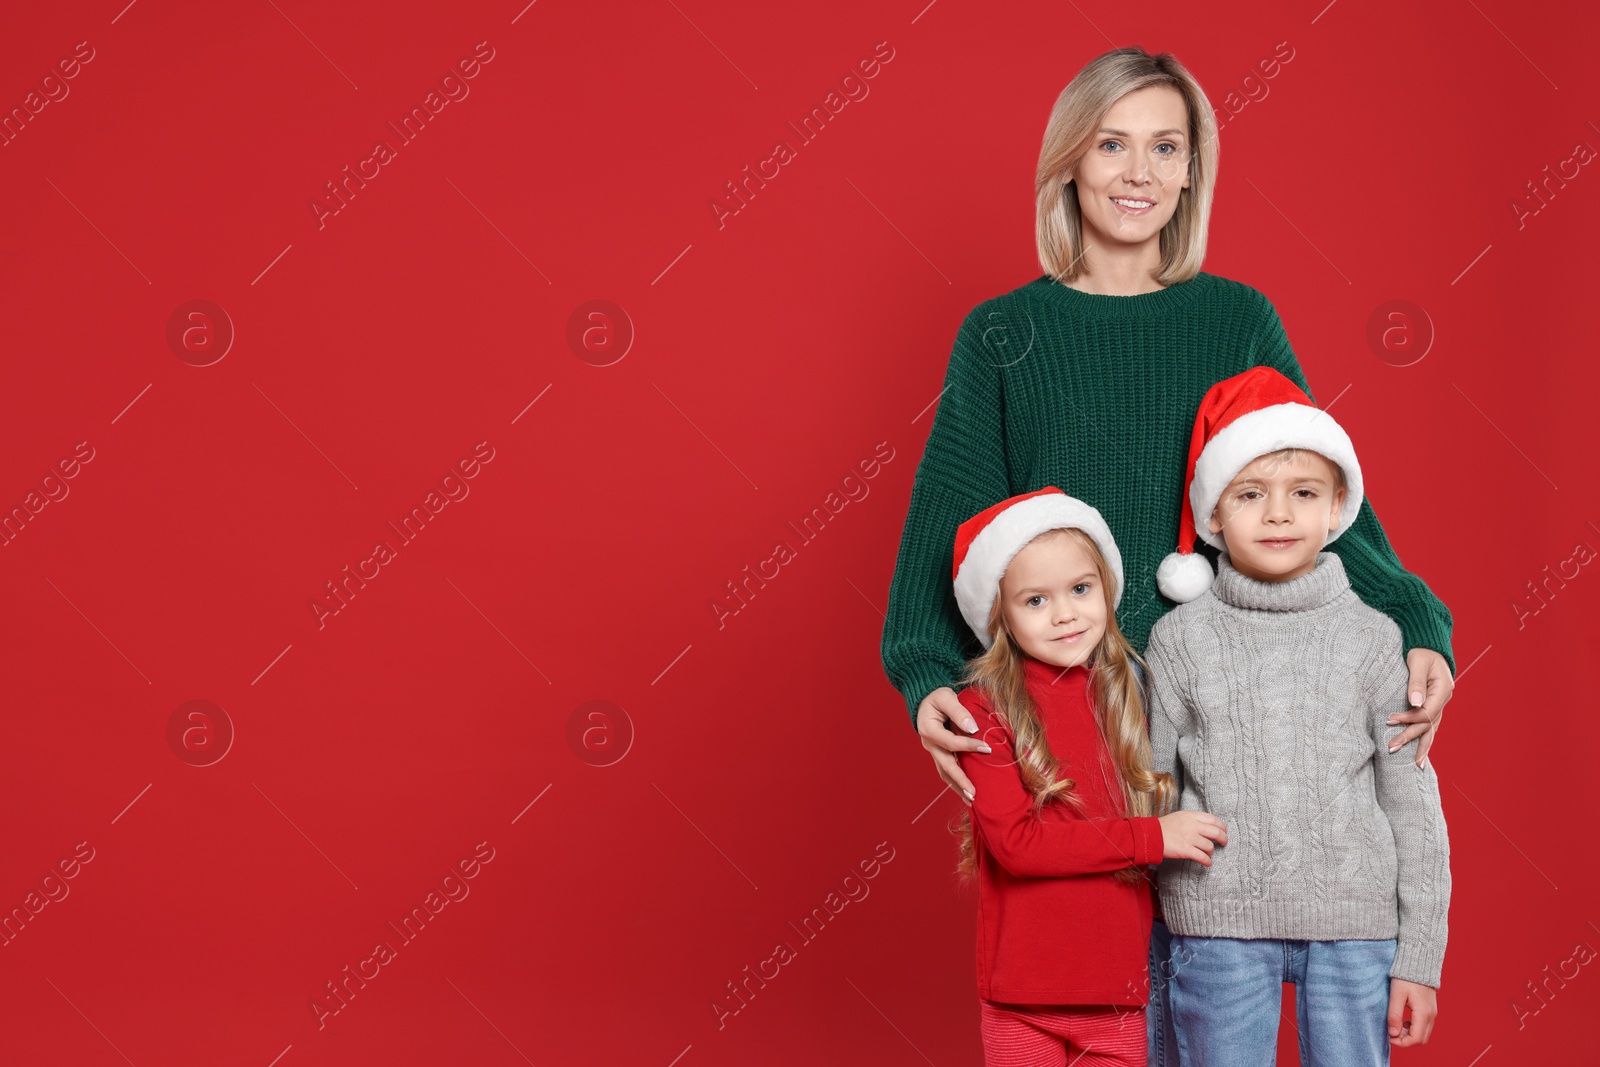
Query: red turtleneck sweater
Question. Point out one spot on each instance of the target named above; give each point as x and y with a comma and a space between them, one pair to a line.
1054, 925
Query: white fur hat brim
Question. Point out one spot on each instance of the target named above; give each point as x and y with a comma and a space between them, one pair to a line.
977, 580
1263, 431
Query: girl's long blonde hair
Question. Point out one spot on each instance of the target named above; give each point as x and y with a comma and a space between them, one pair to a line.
1078, 113
1118, 705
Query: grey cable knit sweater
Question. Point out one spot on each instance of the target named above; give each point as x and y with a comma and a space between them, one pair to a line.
1268, 704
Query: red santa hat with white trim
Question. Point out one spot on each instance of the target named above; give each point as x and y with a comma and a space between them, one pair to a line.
1241, 419
988, 542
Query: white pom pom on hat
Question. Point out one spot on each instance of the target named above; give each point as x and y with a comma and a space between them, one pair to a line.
987, 543
1183, 576
1240, 419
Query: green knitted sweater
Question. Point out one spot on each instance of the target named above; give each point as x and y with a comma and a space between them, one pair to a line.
1097, 395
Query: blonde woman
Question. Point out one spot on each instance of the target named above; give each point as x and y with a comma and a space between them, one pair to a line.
1089, 378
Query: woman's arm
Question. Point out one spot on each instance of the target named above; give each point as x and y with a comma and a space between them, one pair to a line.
1376, 573
1380, 580
962, 471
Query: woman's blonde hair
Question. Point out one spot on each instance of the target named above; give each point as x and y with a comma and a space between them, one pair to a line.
1078, 113
1118, 711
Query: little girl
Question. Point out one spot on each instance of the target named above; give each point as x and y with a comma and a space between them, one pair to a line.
1063, 823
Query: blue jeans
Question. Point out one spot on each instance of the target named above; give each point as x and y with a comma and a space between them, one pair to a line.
1162, 1042
1215, 1001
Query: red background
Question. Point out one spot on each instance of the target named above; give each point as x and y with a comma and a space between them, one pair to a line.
771, 353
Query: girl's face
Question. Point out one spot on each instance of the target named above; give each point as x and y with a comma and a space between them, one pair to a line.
1129, 181
1054, 602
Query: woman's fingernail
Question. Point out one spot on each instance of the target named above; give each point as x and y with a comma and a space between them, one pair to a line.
972, 727
985, 748
1392, 722
1393, 749
1416, 700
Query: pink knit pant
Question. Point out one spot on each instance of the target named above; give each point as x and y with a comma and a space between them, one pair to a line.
1087, 1035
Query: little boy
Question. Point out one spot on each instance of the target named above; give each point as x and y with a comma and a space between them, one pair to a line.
1271, 686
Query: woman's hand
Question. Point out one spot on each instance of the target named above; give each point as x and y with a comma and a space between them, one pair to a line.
1191, 835
937, 708
1431, 687
1424, 1002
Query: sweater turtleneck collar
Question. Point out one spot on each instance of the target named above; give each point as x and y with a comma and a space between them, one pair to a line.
1038, 672
1321, 585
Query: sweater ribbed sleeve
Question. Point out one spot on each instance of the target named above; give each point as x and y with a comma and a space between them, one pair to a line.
963, 470
1375, 570
1167, 716
1410, 799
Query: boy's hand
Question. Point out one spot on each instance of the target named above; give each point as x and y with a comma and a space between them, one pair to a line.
1191, 835
1424, 1004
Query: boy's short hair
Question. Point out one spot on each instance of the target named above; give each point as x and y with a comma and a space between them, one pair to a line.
1287, 454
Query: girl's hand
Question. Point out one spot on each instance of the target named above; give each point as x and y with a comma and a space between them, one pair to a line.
1431, 687
1424, 1003
938, 707
1191, 835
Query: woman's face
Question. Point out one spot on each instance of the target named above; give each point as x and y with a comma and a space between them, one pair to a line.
1128, 182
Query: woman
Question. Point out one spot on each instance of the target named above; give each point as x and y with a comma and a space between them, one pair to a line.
1089, 378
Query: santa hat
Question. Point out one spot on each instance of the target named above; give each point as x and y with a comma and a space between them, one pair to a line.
1241, 419
987, 542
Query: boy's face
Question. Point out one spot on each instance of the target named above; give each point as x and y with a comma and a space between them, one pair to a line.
1276, 514
1054, 602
